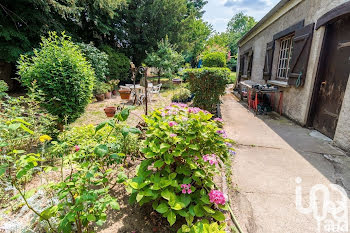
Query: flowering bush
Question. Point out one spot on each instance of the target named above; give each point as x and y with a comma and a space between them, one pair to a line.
183, 152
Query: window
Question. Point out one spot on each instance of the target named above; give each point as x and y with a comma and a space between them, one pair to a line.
284, 58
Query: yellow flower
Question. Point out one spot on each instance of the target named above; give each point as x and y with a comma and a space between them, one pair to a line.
44, 138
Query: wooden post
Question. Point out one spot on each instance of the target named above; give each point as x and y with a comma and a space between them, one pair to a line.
146, 90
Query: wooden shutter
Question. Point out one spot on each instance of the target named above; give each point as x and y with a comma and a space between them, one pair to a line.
300, 55
268, 60
250, 64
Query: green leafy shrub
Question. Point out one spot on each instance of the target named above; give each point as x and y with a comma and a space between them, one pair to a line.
15, 111
89, 171
166, 59
97, 59
183, 152
62, 74
216, 59
118, 63
181, 95
3, 88
204, 227
207, 85
101, 88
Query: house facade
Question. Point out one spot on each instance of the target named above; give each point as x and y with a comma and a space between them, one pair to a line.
303, 47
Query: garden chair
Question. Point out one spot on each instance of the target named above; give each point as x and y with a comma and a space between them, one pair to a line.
156, 90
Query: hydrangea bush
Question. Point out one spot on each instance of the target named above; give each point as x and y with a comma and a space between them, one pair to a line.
184, 150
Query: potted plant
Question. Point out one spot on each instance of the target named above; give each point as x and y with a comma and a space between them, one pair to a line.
108, 88
99, 91
114, 84
125, 93
110, 111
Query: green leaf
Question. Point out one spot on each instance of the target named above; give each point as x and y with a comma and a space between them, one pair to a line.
125, 131
219, 216
198, 210
166, 194
189, 219
135, 130
177, 206
139, 197
123, 115
171, 216
162, 208
158, 164
185, 228
115, 205
208, 210
100, 126
25, 128
91, 218
164, 147
194, 147
49, 212
101, 150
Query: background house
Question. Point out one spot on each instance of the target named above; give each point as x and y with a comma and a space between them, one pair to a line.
303, 46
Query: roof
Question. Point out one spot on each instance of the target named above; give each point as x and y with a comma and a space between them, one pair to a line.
265, 18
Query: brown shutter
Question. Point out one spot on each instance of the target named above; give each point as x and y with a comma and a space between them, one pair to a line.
300, 55
250, 63
268, 60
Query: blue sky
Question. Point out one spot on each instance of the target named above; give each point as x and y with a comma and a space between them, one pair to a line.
219, 12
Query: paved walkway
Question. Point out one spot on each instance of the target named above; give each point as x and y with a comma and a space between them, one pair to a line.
271, 153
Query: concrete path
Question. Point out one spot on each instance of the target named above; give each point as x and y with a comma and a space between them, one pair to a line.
271, 153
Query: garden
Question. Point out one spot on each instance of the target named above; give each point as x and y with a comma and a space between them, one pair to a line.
110, 117
66, 168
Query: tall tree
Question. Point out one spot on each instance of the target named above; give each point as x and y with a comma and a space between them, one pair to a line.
145, 22
196, 6
237, 27
193, 37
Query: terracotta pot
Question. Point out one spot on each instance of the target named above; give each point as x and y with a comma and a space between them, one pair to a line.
114, 92
110, 111
100, 97
108, 95
125, 94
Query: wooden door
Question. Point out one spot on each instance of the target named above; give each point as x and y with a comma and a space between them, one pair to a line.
333, 76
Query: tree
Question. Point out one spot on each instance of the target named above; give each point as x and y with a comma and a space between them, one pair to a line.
197, 7
193, 37
24, 22
166, 59
145, 22
237, 27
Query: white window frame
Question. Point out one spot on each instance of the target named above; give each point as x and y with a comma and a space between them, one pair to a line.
284, 57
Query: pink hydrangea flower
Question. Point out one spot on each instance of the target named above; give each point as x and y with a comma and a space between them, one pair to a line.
76, 148
172, 123
173, 135
217, 197
194, 110
218, 119
211, 159
186, 188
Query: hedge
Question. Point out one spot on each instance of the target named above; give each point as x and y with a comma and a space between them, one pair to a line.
216, 59
207, 85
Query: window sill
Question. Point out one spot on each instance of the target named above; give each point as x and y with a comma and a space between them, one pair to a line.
278, 83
